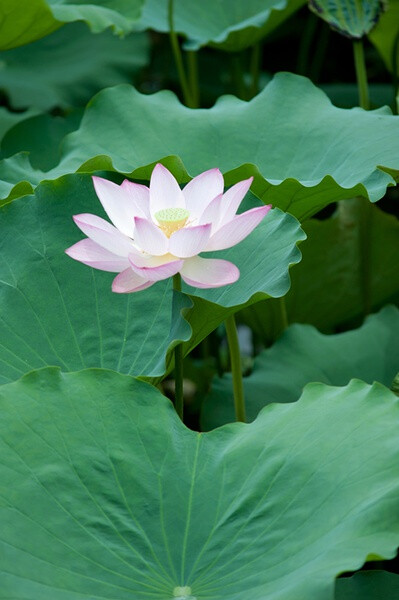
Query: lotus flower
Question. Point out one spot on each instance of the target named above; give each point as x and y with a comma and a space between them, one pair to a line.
160, 231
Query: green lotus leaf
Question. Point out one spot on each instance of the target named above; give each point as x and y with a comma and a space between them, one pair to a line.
326, 288
121, 15
25, 21
385, 36
9, 119
106, 494
303, 355
228, 24
39, 138
78, 65
56, 311
368, 585
352, 18
303, 152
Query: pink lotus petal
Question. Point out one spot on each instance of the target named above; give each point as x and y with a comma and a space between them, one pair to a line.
104, 234
117, 204
156, 272
149, 237
89, 253
236, 230
128, 281
232, 200
164, 191
141, 259
139, 196
212, 213
201, 190
189, 241
209, 272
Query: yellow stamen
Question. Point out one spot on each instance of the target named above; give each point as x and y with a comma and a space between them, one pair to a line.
172, 219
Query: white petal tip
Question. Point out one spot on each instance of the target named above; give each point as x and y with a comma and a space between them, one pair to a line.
215, 170
70, 251
117, 289
100, 181
160, 167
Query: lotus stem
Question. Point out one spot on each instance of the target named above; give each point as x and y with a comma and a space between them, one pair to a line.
364, 207
283, 313
192, 62
360, 210
179, 398
307, 39
255, 68
319, 54
361, 74
395, 78
178, 57
238, 76
236, 368
365, 216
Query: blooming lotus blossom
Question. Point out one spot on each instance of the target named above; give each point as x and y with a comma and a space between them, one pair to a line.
160, 231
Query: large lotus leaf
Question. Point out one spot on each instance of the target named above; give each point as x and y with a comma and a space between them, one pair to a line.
40, 137
302, 355
304, 152
9, 119
56, 311
326, 286
368, 585
352, 18
78, 65
24, 21
385, 36
121, 15
106, 494
226, 24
